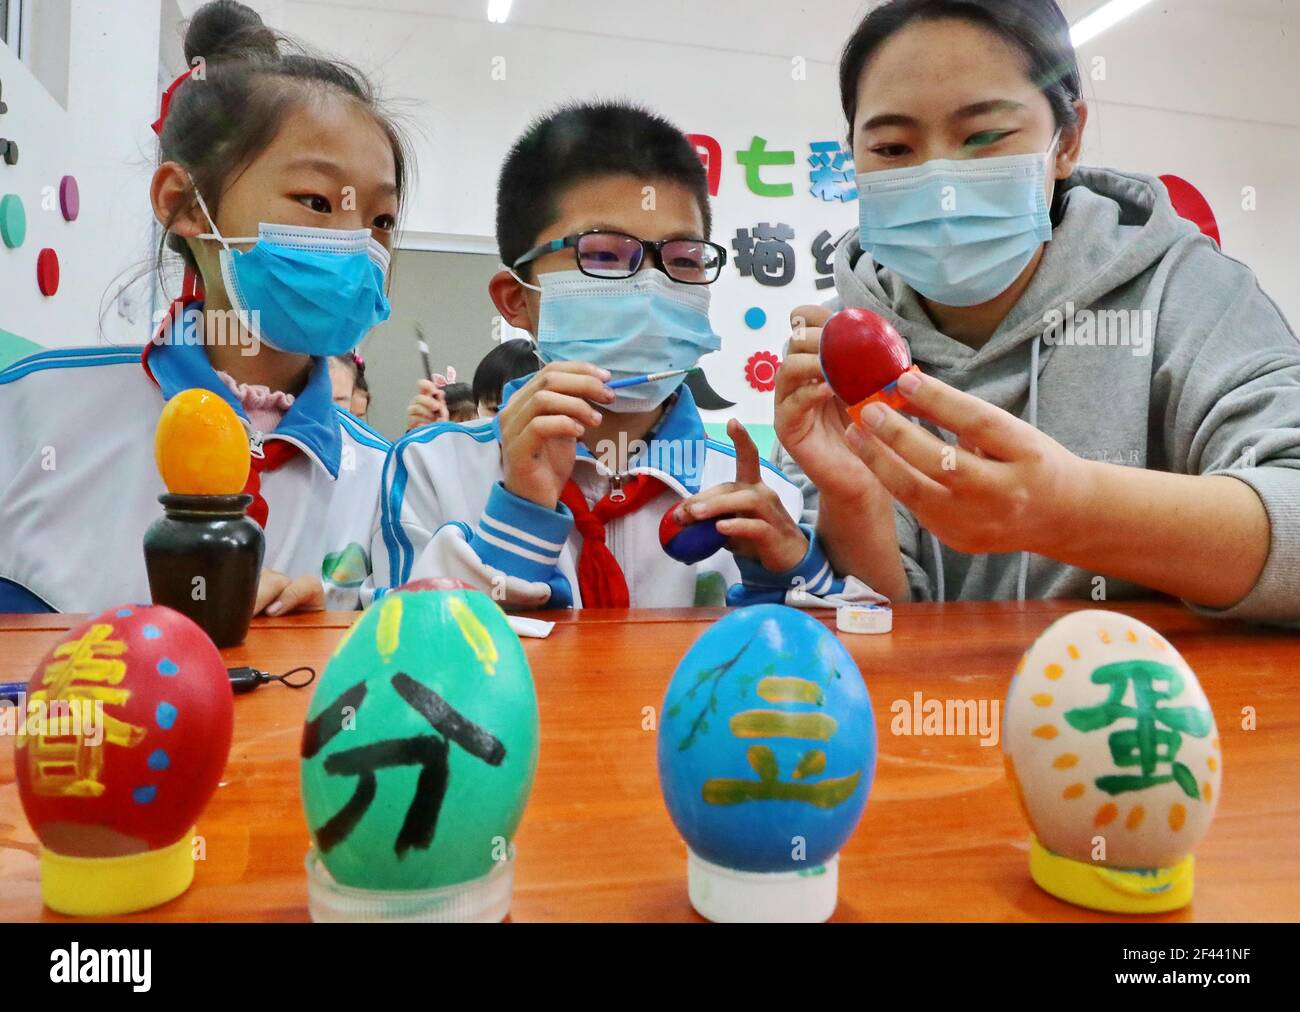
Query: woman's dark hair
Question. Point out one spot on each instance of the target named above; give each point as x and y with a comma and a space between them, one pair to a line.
1037, 28
507, 361
252, 77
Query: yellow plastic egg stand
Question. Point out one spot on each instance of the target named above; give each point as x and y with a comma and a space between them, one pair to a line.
1113, 890
112, 886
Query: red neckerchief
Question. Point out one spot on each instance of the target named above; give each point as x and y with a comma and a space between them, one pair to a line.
600, 577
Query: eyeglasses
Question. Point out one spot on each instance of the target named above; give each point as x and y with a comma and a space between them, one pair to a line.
603, 254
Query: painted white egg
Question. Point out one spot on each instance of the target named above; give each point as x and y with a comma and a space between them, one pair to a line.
1111, 745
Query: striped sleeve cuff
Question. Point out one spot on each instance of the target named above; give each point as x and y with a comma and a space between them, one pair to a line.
813, 575
519, 537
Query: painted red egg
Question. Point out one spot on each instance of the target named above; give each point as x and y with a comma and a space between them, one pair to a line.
128, 729
861, 354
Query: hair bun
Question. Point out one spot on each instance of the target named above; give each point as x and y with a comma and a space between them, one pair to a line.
226, 28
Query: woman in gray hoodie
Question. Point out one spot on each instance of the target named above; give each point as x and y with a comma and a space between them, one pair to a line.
1109, 406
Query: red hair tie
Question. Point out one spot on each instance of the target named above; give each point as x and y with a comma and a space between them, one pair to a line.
166, 103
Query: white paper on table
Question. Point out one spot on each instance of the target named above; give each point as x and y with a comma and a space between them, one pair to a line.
535, 628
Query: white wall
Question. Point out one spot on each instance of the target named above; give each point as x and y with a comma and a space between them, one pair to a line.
1187, 87
102, 138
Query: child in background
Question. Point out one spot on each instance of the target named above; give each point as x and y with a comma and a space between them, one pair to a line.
253, 159
558, 502
361, 391
343, 378
508, 361
461, 406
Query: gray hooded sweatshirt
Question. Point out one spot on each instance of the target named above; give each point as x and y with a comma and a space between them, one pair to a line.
1177, 362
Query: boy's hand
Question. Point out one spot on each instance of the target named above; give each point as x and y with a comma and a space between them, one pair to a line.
279, 595
541, 426
1004, 487
429, 405
811, 421
757, 525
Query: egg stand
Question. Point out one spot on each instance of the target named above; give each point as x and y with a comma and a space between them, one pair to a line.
885, 395
1112, 890
112, 886
729, 896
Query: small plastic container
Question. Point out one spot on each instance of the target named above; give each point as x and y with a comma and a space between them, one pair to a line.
727, 896
483, 900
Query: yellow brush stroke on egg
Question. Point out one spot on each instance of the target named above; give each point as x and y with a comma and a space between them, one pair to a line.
1135, 817
1053, 671
1073, 651
388, 632
1042, 698
475, 633
1072, 792
1065, 761
776, 689
1047, 731
781, 724
1105, 636
1211, 762
1177, 816
1157, 642
1207, 791
1105, 815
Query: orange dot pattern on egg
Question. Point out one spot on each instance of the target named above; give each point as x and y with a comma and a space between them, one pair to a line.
1207, 791
1131, 636
200, 445
1073, 791
1105, 636
1042, 698
1135, 817
1073, 651
1065, 761
1157, 642
1047, 731
1177, 816
1053, 671
1105, 814
1211, 762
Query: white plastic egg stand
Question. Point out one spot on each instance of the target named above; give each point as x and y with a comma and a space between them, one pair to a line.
480, 901
727, 896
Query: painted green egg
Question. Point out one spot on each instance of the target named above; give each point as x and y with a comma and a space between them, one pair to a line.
420, 744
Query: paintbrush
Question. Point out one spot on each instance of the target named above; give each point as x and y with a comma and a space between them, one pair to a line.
632, 381
424, 352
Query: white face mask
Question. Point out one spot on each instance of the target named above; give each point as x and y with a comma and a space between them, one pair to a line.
644, 324
957, 232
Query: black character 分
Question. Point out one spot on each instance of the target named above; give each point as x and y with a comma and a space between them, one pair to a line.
428, 751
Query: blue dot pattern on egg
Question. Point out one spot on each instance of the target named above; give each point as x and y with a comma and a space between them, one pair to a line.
767, 743
159, 759
165, 715
124, 613
145, 794
168, 667
151, 632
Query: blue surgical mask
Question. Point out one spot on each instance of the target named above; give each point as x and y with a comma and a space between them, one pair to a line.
647, 323
307, 291
957, 232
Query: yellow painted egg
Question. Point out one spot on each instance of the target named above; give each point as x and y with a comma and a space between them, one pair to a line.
200, 445
1111, 745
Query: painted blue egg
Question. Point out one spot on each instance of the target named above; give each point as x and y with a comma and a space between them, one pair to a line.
690, 543
767, 742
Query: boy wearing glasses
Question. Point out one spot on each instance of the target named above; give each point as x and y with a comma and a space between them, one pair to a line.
602, 218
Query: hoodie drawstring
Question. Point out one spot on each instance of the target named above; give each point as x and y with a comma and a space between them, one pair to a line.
1033, 420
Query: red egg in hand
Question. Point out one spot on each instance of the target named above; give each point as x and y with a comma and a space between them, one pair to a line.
862, 357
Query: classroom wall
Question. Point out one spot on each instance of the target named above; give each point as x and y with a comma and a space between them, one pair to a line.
96, 129
1197, 89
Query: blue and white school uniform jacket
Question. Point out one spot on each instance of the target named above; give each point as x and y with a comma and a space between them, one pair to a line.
446, 513
79, 486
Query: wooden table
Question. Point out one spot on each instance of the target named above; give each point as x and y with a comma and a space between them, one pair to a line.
941, 839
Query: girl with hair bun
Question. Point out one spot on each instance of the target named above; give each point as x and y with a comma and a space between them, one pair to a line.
279, 186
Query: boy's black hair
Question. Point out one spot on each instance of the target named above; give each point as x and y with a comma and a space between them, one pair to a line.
583, 141
507, 361
459, 395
